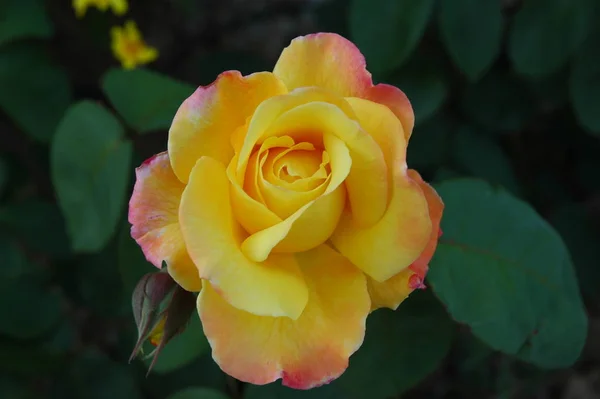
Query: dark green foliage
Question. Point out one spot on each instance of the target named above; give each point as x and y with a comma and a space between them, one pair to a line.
506, 96
584, 83
146, 100
472, 32
90, 161
526, 298
22, 19
388, 31
35, 90
546, 33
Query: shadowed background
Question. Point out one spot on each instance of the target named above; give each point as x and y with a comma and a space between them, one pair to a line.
506, 91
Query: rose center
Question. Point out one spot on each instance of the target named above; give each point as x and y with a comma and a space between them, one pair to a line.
285, 174
296, 165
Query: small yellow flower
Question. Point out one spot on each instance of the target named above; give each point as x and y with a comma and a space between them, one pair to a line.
119, 7
129, 47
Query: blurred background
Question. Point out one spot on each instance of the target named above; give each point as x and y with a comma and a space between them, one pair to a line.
504, 90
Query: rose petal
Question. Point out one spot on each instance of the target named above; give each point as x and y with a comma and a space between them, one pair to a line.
397, 240
314, 222
207, 120
153, 214
251, 214
392, 292
436, 209
213, 237
281, 200
307, 228
379, 122
397, 102
305, 353
271, 109
367, 183
325, 60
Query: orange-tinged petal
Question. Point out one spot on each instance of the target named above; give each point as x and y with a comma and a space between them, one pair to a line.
436, 210
395, 241
305, 353
367, 183
392, 292
153, 214
213, 238
396, 101
324, 60
387, 131
392, 244
206, 121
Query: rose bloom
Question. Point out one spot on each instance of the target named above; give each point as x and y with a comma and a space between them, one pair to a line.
284, 198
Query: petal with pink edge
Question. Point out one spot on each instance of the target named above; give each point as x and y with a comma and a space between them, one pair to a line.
153, 214
304, 353
325, 60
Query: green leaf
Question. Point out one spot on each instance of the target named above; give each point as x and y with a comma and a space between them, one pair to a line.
581, 235
90, 161
202, 372
385, 365
28, 308
429, 143
584, 84
498, 102
132, 262
481, 156
546, 33
387, 31
198, 393
35, 91
23, 18
146, 100
472, 32
183, 349
502, 270
94, 376
30, 220
424, 82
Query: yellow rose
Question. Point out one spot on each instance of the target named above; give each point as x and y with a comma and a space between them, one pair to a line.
285, 199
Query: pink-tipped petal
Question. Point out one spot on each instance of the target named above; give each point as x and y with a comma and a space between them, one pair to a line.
153, 214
